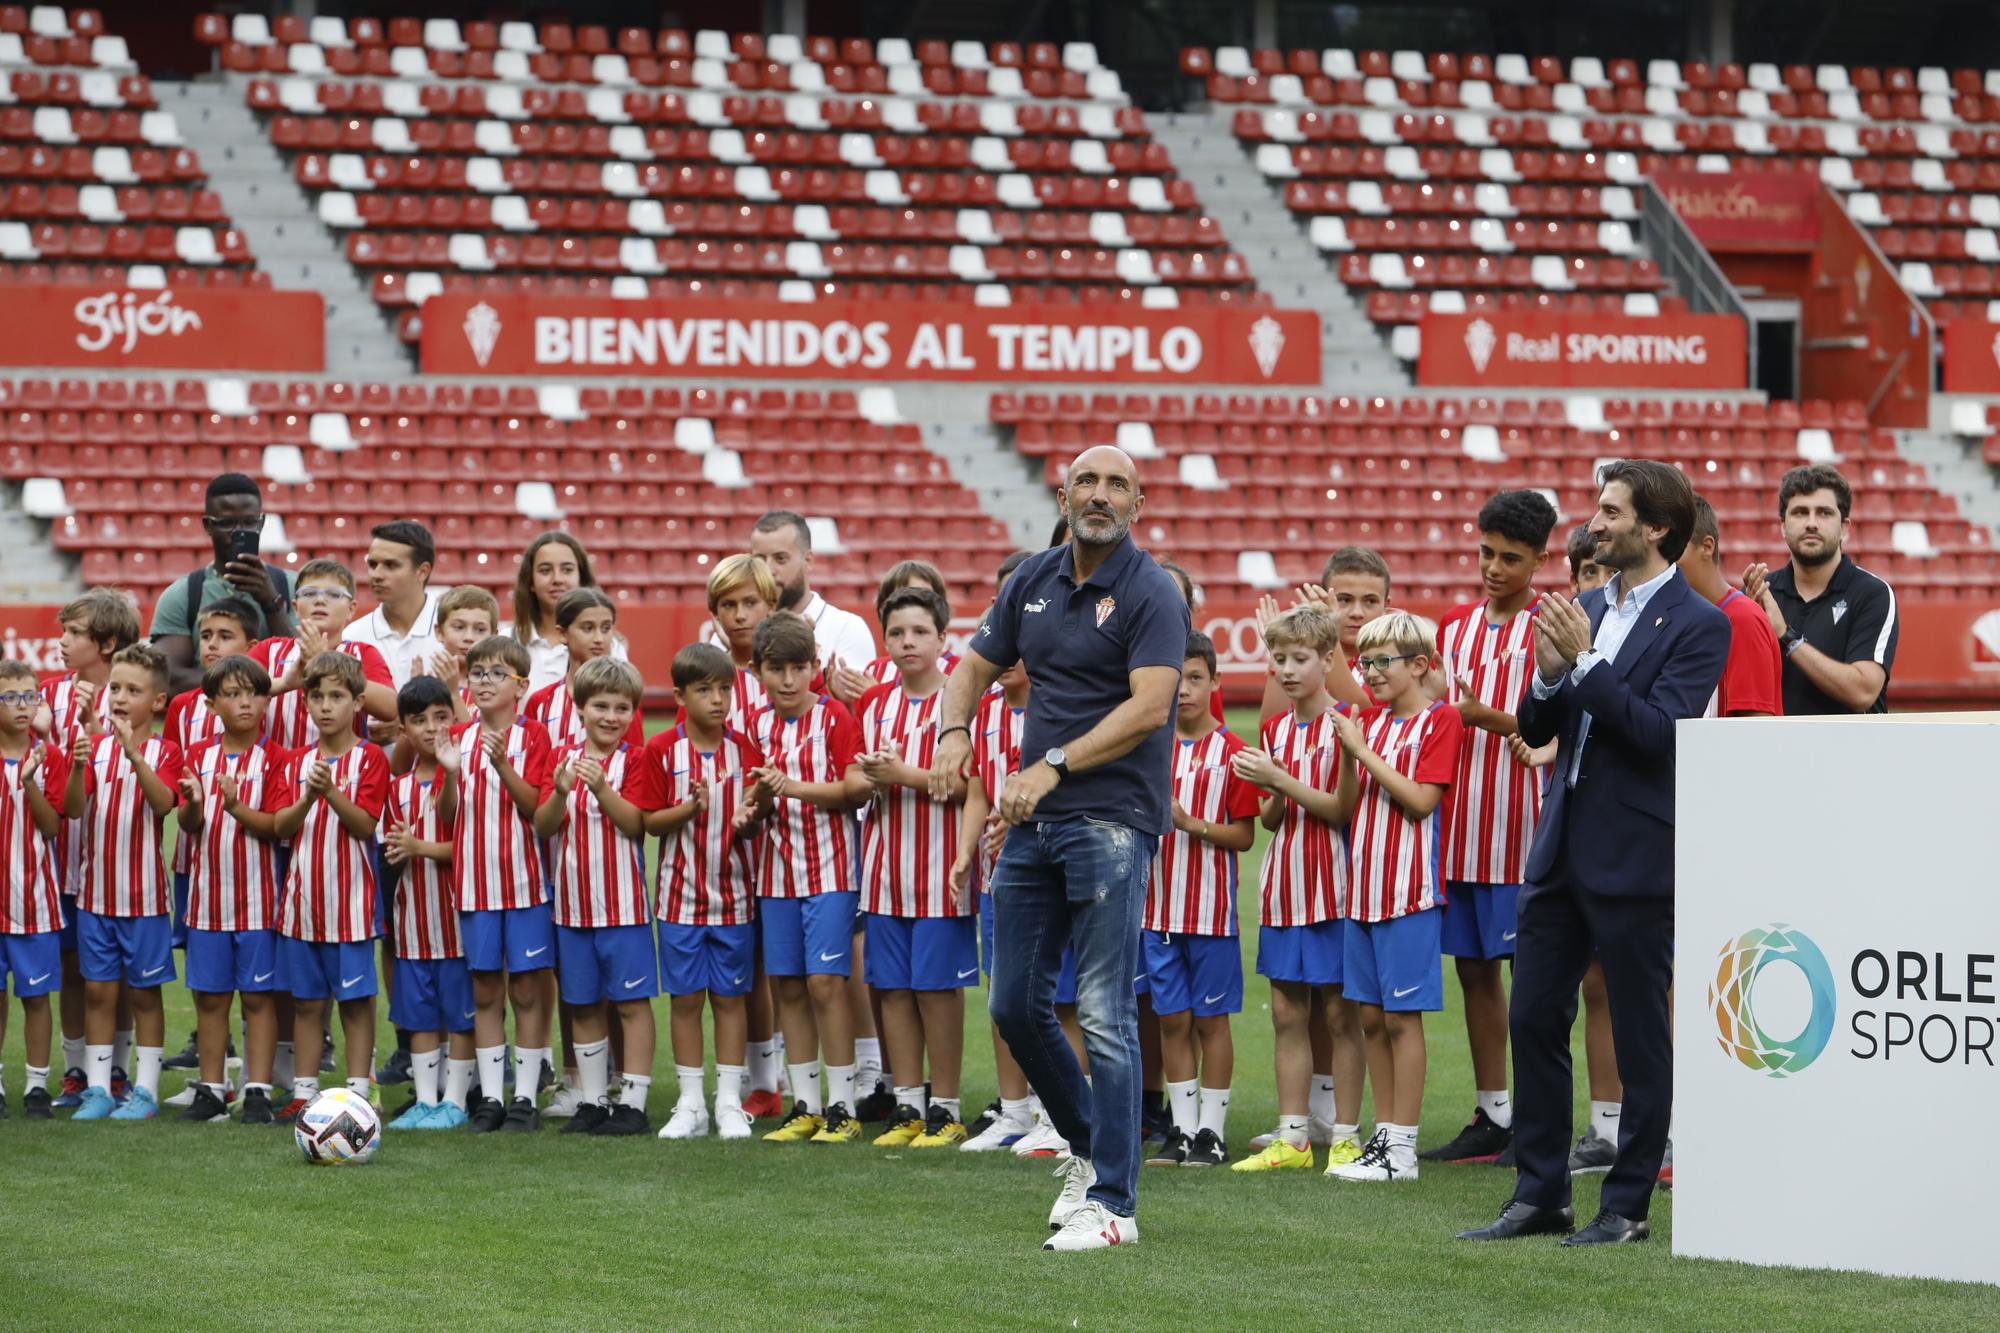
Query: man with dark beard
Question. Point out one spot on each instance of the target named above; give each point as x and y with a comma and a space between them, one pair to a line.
784, 542
1835, 621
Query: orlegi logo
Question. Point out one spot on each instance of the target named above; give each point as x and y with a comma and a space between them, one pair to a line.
1732, 999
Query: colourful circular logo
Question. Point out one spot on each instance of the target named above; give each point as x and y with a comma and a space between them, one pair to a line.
1732, 999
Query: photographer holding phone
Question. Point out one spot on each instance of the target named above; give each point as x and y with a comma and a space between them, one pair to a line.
233, 516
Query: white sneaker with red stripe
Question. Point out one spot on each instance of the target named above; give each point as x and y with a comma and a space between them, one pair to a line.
1094, 1227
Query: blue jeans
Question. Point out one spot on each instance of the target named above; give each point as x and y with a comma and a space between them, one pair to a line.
1080, 882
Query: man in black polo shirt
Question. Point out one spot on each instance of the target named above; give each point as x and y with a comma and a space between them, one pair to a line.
1835, 622
1102, 631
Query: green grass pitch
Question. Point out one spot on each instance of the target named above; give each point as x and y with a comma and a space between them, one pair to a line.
159, 1224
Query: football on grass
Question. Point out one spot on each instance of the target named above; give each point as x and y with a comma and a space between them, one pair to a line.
339, 1128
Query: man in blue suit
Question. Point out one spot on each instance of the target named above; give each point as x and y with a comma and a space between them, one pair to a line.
1615, 670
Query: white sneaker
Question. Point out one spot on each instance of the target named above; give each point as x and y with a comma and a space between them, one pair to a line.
689, 1121
1077, 1176
1042, 1140
1004, 1132
1378, 1161
731, 1122
185, 1097
1094, 1227
562, 1102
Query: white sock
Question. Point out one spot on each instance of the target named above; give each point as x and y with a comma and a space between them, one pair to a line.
1347, 1133
950, 1105
458, 1080
840, 1086
728, 1085
121, 1049
148, 1072
637, 1088
527, 1071
1181, 1102
1319, 1102
305, 1089
1292, 1129
867, 1064
37, 1078
284, 1070
593, 1071
913, 1098
1214, 1111
359, 1086
219, 1089
763, 1067
424, 1067
97, 1066
492, 1071
1604, 1120
1402, 1144
805, 1085
72, 1053
690, 1079
1017, 1112
1499, 1108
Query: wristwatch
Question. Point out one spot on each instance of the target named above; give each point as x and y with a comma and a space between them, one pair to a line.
1055, 759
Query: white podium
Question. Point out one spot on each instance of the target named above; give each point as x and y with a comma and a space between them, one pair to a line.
1837, 1013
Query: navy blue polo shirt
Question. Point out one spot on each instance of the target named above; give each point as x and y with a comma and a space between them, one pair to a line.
1080, 642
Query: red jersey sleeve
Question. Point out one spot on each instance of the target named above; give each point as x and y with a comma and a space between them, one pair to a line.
843, 737
374, 666
262, 650
646, 778
747, 751
1437, 758
55, 773
281, 787
168, 769
1239, 798
371, 787
536, 706
634, 781
535, 763
174, 728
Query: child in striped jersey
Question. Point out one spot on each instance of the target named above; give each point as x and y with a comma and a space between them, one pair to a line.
1192, 956
700, 799
232, 909
604, 940
123, 783
430, 990
922, 938
326, 800
466, 615
33, 775
507, 925
224, 629
324, 597
1303, 877
1398, 760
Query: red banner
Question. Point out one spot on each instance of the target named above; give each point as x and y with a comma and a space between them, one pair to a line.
1560, 350
1745, 210
163, 328
1971, 356
882, 340
1949, 652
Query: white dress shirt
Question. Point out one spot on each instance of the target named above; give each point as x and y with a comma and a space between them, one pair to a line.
400, 651
1621, 613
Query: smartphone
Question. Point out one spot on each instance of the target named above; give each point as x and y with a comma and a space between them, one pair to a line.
243, 544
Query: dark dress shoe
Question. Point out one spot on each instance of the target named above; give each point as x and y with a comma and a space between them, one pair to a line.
1524, 1219
1608, 1228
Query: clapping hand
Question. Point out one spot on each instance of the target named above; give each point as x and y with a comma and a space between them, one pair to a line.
319, 778
1562, 632
1256, 767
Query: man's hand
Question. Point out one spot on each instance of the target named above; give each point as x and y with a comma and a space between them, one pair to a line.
950, 763
1256, 767
1025, 790
250, 578
1562, 632
1757, 587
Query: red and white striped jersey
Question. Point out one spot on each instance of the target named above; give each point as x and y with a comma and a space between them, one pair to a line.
707, 870
908, 840
496, 860
287, 723
232, 877
1304, 875
1495, 799
426, 907
123, 871
807, 850
30, 890
329, 895
67, 717
598, 874
1394, 859
556, 710
189, 723
1193, 886
996, 756
883, 669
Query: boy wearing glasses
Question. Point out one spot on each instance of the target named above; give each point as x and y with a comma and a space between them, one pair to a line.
1398, 759
325, 603
506, 922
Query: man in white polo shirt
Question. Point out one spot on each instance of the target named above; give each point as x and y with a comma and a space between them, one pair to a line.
843, 638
